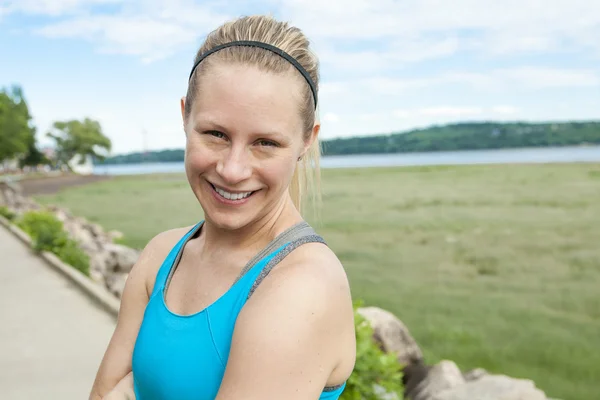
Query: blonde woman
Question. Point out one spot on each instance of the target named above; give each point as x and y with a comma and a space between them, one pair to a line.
249, 303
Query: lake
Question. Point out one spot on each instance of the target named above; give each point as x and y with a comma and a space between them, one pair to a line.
468, 157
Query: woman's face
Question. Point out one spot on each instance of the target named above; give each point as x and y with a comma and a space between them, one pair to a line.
244, 135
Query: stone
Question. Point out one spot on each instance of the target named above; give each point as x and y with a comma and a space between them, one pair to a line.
125, 256
442, 376
493, 387
97, 277
102, 262
85, 239
96, 230
474, 374
392, 335
116, 283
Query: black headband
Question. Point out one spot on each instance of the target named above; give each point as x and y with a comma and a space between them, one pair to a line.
266, 46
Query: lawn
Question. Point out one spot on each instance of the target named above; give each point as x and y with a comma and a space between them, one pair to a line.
490, 266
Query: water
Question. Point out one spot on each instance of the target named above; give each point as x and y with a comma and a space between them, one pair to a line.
468, 157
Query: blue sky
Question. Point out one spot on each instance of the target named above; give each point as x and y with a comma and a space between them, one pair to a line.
386, 65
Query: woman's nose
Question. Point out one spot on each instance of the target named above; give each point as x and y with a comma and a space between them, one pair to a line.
235, 166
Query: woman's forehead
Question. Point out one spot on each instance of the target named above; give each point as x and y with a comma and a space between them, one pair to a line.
248, 95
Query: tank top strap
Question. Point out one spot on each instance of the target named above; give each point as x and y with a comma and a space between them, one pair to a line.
294, 232
294, 241
173, 258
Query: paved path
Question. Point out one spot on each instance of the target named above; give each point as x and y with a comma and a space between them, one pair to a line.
52, 337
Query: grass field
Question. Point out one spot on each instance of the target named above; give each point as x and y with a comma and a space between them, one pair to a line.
490, 266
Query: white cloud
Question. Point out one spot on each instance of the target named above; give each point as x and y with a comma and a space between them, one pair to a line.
496, 79
144, 37
395, 54
450, 111
495, 28
53, 7
503, 109
149, 29
536, 77
405, 32
331, 117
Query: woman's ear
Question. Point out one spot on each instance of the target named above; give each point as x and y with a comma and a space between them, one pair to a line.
182, 104
314, 135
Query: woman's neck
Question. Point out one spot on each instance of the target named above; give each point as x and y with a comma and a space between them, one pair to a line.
254, 236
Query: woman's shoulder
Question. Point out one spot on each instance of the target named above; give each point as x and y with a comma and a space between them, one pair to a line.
156, 251
313, 271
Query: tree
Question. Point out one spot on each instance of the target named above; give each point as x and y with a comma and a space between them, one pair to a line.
33, 156
83, 138
16, 130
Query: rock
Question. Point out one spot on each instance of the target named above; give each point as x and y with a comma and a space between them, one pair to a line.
102, 262
493, 387
412, 376
392, 335
116, 283
83, 236
125, 256
98, 277
475, 374
115, 235
442, 376
96, 230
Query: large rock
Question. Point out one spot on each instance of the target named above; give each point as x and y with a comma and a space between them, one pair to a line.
475, 374
102, 262
392, 335
124, 257
83, 236
115, 283
442, 376
493, 387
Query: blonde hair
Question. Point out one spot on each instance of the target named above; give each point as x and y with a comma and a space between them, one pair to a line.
306, 178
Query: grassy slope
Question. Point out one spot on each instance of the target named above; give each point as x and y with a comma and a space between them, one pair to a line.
491, 266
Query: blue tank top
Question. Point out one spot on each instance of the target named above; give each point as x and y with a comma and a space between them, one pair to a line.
184, 357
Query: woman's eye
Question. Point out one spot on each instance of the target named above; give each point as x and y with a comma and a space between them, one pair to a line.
267, 143
216, 134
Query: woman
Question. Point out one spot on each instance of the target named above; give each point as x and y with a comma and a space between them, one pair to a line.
249, 303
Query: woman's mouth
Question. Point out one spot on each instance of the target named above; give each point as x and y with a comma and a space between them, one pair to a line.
231, 197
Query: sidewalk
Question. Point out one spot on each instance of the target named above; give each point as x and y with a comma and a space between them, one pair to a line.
52, 337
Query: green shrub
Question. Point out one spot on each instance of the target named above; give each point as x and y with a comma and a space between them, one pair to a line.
72, 254
45, 230
47, 234
372, 367
6, 213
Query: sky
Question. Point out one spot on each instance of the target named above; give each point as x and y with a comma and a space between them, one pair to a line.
386, 66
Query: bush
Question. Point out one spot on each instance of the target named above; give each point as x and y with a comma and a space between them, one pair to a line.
47, 234
72, 254
373, 366
6, 213
45, 230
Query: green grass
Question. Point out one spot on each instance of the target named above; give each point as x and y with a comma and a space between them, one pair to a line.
490, 266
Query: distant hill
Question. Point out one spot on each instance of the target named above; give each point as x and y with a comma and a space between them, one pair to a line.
459, 136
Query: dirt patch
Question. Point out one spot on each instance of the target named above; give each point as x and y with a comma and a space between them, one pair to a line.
50, 185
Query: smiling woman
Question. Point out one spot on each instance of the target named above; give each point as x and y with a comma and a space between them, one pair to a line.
250, 302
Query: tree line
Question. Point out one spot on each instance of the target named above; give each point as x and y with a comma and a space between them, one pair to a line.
449, 137
19, 144
470, 136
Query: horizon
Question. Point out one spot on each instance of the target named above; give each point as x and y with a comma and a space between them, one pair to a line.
385, 68
594, 121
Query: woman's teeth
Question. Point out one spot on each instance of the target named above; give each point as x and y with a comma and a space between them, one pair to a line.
232, 196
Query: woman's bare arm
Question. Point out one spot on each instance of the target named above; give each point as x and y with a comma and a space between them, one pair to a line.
116, 363
294, 332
